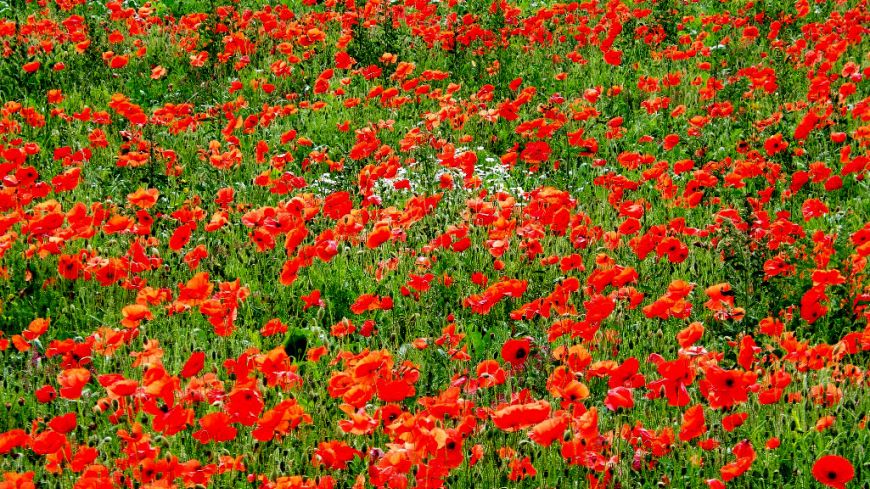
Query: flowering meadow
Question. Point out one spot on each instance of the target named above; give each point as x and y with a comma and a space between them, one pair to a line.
319, 244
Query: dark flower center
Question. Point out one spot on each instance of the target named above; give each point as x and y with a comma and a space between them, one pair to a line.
521, 353
832, 475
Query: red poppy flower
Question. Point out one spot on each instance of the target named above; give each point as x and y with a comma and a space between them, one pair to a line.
693, 423
118, 62
833, 471
47, 442
745, 457
193, 364
334, 454
613, 57
13, 439
775, 144
733, 421
72, 381
671, 141
215, 427
726, 388
31, 66
516, 351
547, 431
312, 300
517, 416
64, 423
490, 373
273, 327
619, 397
46, 394
690, 334
536, 152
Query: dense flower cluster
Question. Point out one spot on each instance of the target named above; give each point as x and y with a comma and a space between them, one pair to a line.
413, 243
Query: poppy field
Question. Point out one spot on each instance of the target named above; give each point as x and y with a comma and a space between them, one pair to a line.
319, 244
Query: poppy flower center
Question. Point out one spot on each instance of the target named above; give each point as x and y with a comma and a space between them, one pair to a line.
729, 383
521, 353
832, 475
